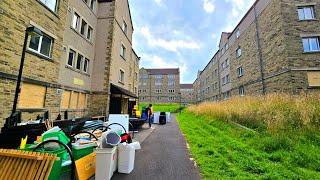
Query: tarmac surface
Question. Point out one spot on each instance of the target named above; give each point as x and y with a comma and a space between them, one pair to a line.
164, 156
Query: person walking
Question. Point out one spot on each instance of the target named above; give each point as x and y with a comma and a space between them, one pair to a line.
149, 114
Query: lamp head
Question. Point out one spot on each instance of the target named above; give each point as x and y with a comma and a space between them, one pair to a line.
34, 31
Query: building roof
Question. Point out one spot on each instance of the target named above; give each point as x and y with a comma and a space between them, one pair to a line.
186, 86
163, 71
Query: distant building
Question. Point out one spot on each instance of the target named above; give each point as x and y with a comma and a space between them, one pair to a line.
186, 94
274, 48
159, 85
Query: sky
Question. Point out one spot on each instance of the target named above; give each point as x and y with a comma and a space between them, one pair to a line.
182, 33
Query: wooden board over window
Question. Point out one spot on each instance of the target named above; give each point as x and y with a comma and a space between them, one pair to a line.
32, 96
314, 79
82, 101
65, 99
74, 100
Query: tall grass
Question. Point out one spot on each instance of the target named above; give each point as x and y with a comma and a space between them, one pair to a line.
273, 112
164, 107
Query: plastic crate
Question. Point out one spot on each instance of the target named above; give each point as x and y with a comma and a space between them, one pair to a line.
79, 151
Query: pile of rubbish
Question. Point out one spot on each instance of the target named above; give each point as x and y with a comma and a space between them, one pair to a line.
97, 153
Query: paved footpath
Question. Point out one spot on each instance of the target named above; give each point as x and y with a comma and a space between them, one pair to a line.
164, 156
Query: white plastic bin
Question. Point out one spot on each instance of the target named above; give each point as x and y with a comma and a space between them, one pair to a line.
168, 117
156, 116
106, 163
126, 154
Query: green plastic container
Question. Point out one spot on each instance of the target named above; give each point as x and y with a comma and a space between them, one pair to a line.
60, 135
79, 151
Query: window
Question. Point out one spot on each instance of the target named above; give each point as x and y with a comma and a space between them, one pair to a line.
83, 27
240, 71
241, 90
227, 63
171, 83
92, 4
171, 91
228, 80
122, 51
144, 90
121, 76
124, 27
41, 45
171, 98
216, 85
86, 65
71, 57
239, 52
158, 91
311, 44
75, 21
226, 46
51, 4
224, 80
79, 62
238, 33
171, 76
159, 98
158, 76
89, 34
158, 82
306, 13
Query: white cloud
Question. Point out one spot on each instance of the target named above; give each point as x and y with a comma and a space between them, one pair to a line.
173, 45
238, 9
154, 61
208, 6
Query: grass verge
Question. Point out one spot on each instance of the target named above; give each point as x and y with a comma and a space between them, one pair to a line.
162, 107
224, 151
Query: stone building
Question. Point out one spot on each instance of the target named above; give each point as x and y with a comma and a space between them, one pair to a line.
159, 85
82, 58
39, 89
186, 94
274, 48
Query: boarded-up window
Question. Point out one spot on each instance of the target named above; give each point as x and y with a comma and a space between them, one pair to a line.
82, 101
74, 100
314, 78
65, 99
32, 96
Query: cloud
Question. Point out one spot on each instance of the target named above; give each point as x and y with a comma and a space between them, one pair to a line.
238, 9
155, 61
208, 6
173, 45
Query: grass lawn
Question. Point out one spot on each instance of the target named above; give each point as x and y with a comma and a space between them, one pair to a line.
162, 107
224, 151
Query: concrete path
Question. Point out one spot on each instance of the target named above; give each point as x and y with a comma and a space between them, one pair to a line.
164, 156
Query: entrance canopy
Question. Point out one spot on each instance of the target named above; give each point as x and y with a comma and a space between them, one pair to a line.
116, 90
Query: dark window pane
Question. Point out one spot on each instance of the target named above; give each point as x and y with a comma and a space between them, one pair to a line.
34, 42
79, 62
83, 27
71, 57
46, 46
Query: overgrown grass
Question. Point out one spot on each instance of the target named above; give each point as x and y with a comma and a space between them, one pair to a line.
162, 107
275, 112
224, 151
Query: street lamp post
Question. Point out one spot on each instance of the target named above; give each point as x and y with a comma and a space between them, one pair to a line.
29, 31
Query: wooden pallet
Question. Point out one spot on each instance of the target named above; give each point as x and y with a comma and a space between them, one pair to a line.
17, 164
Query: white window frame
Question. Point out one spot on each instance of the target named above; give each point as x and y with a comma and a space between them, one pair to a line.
91, 34
81, 61
85, 29
302, 11
239, 52
240, 71
121, 78
38, 51
86, 70
93, 5
241, 91
74, 57
124, 26
45, 2
76, 24
123, 51
308, 40
238, 33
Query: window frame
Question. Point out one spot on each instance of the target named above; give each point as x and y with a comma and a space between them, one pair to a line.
38, 51
86, 69
77, 23
304, 8
85, 29
121, 76
81, 62
123, 51
310, 44
55, 8
74, 57
238, 55
241, 91
240, 71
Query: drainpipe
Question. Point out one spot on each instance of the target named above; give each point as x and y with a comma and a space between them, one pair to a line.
259, 51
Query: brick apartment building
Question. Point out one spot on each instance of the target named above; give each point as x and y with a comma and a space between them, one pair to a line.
186, 94
274, 48
159, 85
82, 58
